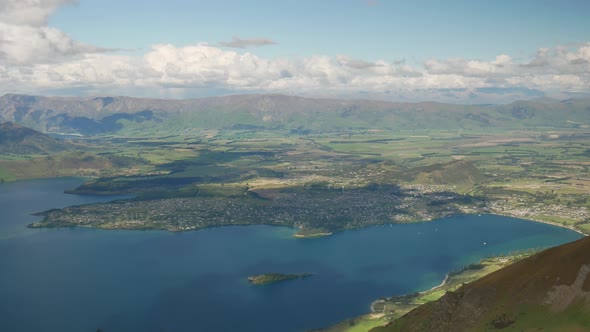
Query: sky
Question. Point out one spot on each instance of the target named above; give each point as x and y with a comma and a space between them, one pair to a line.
450, 51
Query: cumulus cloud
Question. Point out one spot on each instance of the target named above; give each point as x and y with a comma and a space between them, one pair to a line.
26, 39
356, 63
558, 68
501, 66
540, 60
166, 67
238, 42
29, 12
37, 58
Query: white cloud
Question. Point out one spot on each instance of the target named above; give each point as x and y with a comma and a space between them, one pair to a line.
29, 12
36, 58
26, 39
166, 66
25, 45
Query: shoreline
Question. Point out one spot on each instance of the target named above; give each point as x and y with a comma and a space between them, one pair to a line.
297, 235
444, 282
553, 223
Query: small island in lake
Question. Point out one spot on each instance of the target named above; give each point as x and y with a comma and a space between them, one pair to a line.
269, 278
305, 233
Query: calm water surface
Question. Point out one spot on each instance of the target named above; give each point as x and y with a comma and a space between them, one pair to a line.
76, 280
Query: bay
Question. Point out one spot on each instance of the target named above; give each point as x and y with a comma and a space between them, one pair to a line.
78, 279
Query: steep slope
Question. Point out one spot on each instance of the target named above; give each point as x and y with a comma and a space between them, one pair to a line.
112, 114
549, 291
17, 139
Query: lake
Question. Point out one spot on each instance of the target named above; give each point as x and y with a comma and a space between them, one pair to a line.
77, 279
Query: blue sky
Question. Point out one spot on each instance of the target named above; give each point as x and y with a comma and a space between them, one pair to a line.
412, 30
386, 49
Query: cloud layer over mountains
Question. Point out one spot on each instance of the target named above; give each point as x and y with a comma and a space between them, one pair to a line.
37, 58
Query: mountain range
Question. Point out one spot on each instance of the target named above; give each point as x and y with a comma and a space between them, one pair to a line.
110, 115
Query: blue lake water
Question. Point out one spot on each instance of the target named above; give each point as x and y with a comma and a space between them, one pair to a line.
76, 279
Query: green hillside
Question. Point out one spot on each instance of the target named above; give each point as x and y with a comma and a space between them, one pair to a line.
549, 291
